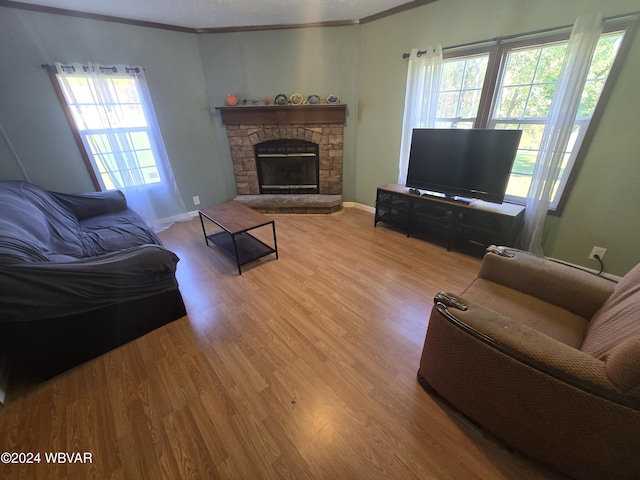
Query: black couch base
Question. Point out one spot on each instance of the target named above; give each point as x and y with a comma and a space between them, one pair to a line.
45, 348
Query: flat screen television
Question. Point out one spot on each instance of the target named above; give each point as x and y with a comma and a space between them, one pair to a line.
462, 163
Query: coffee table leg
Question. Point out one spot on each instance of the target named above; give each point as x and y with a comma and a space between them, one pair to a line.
204, 232
275, 242
235, 248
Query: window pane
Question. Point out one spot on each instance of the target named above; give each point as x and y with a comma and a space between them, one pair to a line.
550, 63
145, 158
603, 58
452, 74
512, 102
525, 160
462, 81
539, 102
110, 117
448, 104
529, 81
469, 103
140, 140
521, 67
150, 175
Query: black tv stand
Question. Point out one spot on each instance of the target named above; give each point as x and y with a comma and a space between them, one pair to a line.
457, 222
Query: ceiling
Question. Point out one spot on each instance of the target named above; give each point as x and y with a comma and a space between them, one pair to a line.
224, 14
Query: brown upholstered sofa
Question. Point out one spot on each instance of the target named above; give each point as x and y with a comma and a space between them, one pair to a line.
546, 357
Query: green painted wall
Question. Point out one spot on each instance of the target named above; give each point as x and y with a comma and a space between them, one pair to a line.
262, 64
602, 207
38, 130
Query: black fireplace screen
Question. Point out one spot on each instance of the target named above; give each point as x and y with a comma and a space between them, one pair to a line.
287, 166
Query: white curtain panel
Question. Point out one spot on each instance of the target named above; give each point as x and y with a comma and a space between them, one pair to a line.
120, 137
424, 76
564, 107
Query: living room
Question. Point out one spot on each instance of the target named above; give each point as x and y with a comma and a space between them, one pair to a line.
190, 74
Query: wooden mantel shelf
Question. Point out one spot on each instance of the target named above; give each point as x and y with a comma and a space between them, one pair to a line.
265, 114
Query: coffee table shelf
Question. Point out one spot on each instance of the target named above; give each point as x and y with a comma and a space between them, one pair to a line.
249, 247
235, 241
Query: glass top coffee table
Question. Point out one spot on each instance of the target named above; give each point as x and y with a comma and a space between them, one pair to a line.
236, 220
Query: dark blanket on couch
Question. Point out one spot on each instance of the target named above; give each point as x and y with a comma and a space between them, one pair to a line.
62, 254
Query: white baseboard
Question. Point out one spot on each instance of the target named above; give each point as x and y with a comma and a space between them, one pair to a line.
359, 206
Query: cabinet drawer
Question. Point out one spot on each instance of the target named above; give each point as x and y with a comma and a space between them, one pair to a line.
482, 237
484, 221
434, 210
393, 200
394, 216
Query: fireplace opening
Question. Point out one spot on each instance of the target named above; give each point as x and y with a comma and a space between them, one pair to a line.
287, 166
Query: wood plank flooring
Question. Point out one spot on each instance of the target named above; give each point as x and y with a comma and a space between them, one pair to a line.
300, 368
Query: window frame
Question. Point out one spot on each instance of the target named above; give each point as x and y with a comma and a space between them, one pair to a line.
83, 142
497, 53
51, 70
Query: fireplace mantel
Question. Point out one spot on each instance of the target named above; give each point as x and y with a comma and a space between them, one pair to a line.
282, 114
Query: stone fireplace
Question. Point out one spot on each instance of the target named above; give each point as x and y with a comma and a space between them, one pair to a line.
315, 129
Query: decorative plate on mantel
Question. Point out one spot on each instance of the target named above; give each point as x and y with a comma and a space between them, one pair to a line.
281, 99
296, 99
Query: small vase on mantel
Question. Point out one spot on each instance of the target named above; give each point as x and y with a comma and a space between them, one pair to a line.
231, 100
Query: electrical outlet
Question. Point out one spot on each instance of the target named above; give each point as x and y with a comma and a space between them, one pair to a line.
600, 251
196, 200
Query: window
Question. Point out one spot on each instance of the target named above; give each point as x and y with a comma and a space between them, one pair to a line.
511, 86
460, 92
114, 124
110, 117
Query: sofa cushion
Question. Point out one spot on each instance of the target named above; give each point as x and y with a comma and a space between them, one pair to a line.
34, 227
87, 205
551, 320
117, 231
617, 319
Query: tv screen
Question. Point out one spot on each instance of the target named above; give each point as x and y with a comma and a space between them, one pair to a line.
468, 163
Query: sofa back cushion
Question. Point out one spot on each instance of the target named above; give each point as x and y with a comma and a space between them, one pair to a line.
613, 334
34, 227
617, 319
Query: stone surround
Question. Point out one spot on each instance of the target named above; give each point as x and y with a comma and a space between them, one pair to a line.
329, 138
321, 124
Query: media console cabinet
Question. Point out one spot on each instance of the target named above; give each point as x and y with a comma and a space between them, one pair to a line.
465, 226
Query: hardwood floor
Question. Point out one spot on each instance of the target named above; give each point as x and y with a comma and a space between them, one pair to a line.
300, 368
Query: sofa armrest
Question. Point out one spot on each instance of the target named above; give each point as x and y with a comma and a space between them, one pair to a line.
87, 205
33, 291
532, 348
571, 288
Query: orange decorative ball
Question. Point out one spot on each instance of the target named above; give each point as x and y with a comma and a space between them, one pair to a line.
231, 100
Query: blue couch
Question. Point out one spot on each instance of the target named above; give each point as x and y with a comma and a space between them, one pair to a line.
79, 276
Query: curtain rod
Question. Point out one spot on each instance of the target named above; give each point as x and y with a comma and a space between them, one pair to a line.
498, 40
86, 69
